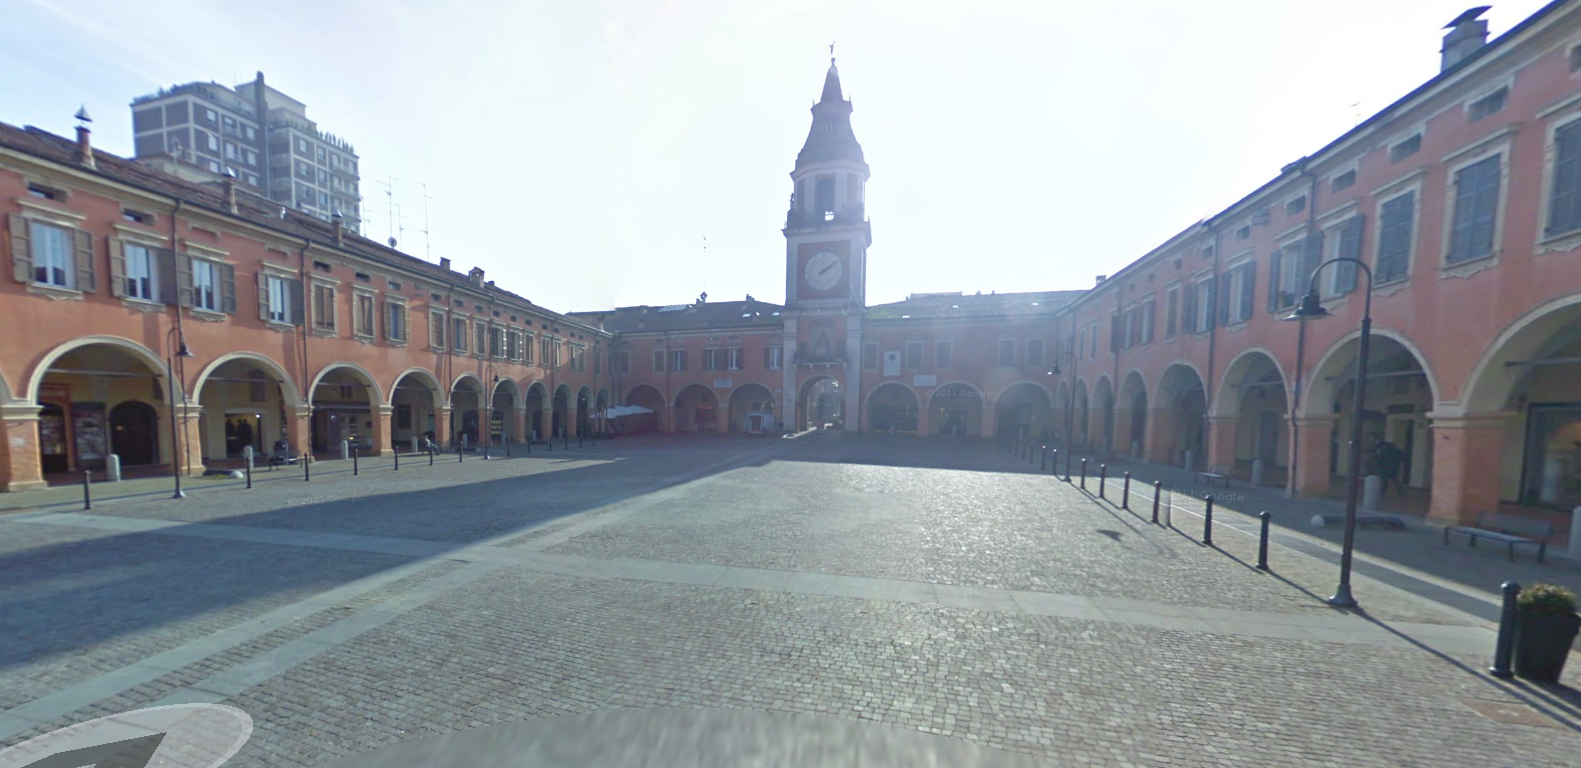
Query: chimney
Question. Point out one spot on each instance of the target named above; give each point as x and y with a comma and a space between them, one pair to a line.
84, 146
1467, 35
476, 276
337, 221
230, 192
444, 262
1102, 278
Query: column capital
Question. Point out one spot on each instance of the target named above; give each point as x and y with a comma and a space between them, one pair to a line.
386, 410
1316, 421
300, 411
19, 411
1461, 420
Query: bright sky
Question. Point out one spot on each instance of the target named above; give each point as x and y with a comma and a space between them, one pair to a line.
580, 152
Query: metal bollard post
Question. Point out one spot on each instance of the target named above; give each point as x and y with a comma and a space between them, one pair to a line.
307, 471
1084, 474
1262, 541
461, 455
1207, 524
430, 455
507, 446
1045, 464
1125, 494
1504, 647
529, 446
550, 443
485, 451
1158, 490
397, 453
579, 439
1054, 470
354, 460
1103, 479
87, 489
249, 473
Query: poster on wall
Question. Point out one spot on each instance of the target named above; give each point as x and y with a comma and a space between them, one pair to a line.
93, 443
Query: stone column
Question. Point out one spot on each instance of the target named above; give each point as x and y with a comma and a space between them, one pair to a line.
1467, 460
21, 468
990, 417
191, 447
923, 400
1221, 441
381, 430
1122, 430
1312, 471
298, 429
442, 426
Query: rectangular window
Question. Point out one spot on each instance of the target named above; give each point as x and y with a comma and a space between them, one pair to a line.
1171, 312
1034, 353
527, 342
943, 354
205, 285
1405, 148
1296, 206
52, 254
1007, 353
363, 326
658, 361
1206, 300
678, 360
480, 338
913, 355
1476, 208
458, 333
1128, 329
395, 321
1564, 202
774, 357
733, 358
496, 342
279, 299
1395, 222
1487, 105
622, 362
710, 359
1146, 336
324, 307
141, 272
436, 330
1343, 181
869, 357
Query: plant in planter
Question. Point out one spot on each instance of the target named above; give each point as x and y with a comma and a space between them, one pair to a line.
1545, 627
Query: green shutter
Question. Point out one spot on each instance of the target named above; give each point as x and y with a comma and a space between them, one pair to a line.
1275, 302
117, 267
21, 249
87, 278
227, 288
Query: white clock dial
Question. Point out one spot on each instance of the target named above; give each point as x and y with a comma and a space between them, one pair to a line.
823, 271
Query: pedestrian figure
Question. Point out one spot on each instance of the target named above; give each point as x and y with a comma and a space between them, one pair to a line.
1387, 460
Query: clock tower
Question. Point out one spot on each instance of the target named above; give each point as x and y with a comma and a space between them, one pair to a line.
827, 235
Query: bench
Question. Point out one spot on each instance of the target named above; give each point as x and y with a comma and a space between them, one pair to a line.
1215, 474
1506, 530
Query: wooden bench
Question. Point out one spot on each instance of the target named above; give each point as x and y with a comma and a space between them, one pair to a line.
1217, 473
1506, 530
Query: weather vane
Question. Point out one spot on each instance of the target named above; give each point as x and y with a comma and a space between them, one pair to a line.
831, 50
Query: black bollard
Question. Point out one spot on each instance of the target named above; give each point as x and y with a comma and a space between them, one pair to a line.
397, 453
430, 455
485, 451
307, 472
87, 489
1045, 465
529, 446
579, 439
1125, 494
1055, 468
249, 475
1103, 478
507, 446
1207, 524
354, 460
565, 436
550, 443
1504, 647
1262, 541
1158, 490
461, 455
1084, 474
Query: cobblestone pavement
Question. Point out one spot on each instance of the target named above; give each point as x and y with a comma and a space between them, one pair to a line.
360, 612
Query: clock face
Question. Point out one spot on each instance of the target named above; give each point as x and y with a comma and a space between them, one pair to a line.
823, 271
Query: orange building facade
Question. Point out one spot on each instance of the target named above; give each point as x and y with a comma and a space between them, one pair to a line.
1462, 200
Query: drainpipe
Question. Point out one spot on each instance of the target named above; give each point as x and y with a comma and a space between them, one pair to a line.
1208, 390
176, 444
1301, 339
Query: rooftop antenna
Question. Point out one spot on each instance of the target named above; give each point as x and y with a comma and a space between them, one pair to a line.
1357, 107
705, 265
400, 222
427, 251
389, 199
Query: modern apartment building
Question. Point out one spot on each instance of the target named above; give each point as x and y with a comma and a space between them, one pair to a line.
263, 136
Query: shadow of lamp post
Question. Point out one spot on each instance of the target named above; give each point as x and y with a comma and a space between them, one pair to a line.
1311, 308
176, 347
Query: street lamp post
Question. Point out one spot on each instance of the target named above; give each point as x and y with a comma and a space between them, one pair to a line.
1312, 308
176, 348
1070, 406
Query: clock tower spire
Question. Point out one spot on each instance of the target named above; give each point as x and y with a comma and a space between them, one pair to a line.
827, 235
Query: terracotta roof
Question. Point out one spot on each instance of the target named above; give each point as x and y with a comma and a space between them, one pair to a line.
942, 305
687, 317
250, 207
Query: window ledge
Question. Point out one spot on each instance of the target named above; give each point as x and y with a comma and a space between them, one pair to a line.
1470, 267
1392, 287
325, 334
364, 338
396, 342
208, 315
1567, 241
279, 326
55, 292
142, 305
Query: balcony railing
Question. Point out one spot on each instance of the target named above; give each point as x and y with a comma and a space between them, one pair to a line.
820, 359
848, 215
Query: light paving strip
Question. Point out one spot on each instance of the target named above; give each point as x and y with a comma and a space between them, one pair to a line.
1338, 628
59, 703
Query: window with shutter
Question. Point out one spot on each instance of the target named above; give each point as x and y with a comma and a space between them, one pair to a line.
21, 249
943, 354
1171, 312
1476, 206
44, 254
1564, 200
1188, 315
914, 354
168, 285
207, 292
1248, 291
870, 357
1224, 295
1146, 333
1034, 353
1396, 220
227, 275
1349, 247
658, 361
87, 278
118, 282
1275, 298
